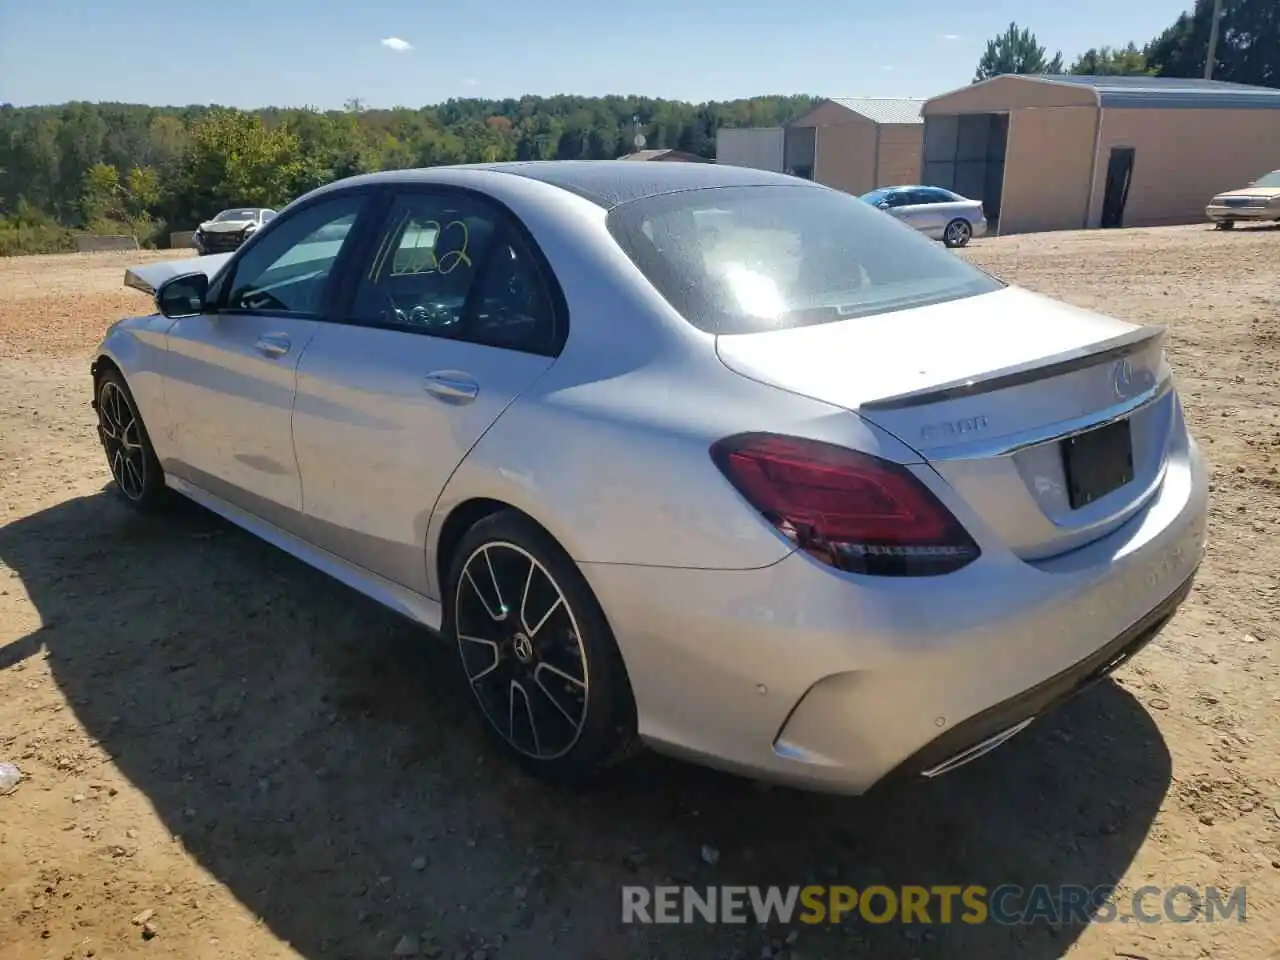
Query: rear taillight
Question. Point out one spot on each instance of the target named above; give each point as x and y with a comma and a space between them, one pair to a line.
854, 511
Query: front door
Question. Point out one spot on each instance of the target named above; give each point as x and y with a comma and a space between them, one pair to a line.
230, 372
451, 318
1119, 175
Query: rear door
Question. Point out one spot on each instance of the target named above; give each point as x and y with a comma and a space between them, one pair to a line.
931, 214
949, 206
451, 313
230, 372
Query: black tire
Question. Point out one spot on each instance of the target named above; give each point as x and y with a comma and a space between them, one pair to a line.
516, 553
1225, 224
957, 233
135, 469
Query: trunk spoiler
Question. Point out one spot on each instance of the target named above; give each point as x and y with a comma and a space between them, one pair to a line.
1078, 358
148, 277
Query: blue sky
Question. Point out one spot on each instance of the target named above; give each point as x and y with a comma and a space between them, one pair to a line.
323, 52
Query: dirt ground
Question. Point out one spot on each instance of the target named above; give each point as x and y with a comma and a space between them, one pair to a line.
251, 761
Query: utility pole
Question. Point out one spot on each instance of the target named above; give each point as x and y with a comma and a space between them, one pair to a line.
1213, 40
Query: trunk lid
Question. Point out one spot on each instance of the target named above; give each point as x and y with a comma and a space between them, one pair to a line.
1000, 394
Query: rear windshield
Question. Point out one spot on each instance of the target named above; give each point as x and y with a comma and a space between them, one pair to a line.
747, 259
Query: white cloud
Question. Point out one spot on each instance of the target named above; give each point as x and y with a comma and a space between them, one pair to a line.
398, 45
951, 36
470, 81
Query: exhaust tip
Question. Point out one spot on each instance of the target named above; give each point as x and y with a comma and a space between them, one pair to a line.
979, 749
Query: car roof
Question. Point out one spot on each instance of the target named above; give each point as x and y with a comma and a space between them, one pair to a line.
607, 183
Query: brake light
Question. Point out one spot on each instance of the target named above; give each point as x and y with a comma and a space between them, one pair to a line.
851, 510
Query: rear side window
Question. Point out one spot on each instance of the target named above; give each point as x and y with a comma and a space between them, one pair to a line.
453, 266
746, 259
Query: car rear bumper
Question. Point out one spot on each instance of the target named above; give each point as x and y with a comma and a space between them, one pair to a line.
1218, 212
796, 674
980, 227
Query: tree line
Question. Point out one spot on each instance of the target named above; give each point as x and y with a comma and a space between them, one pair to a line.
129, 168
1247, 51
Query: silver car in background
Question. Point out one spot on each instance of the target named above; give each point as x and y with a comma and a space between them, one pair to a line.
937, 213
688, 455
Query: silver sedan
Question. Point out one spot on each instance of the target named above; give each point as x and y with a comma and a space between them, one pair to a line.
937, 213
693, 456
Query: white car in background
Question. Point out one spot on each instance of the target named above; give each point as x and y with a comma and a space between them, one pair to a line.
1258, 202
937, 213
230, 228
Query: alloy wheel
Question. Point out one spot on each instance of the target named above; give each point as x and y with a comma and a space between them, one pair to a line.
521, 650
121, 436
958, 233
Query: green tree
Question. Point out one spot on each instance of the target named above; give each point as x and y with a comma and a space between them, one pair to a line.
236, 159
142, 189
1109, 62
101, 197
183, 163
1248, 43
1015, 51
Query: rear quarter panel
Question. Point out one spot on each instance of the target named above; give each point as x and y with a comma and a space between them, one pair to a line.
618, 468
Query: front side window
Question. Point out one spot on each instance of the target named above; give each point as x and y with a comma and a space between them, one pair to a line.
747, 259
288, 268
454, 266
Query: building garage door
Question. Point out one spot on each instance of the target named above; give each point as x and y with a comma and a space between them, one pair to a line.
965, 153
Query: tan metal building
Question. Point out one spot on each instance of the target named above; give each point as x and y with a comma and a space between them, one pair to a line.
857, 144
1068, 152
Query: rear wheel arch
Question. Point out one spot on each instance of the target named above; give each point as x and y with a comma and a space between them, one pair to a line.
461, 519
466, 515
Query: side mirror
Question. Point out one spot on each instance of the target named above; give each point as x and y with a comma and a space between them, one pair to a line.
883, 204
183, 296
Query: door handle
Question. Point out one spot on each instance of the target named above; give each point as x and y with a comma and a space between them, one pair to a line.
273, 344
451, 386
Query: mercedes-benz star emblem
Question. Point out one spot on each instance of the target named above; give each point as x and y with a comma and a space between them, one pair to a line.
523, 647
1122, 378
